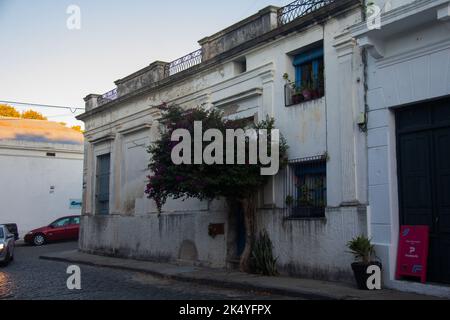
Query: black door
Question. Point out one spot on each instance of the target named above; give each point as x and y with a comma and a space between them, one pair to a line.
423, 145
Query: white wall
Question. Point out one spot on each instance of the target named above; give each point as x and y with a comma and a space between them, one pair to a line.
25, 180
415, 67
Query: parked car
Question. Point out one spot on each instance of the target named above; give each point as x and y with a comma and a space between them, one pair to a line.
7, 243
12, 227
63, 229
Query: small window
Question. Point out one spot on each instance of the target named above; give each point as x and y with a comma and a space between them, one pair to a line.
102, 184
2, 235
306, 195
240, 66
309, 81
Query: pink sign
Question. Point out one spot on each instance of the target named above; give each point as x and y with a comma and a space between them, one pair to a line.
413, 252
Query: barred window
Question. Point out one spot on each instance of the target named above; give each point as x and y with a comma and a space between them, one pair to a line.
306, 190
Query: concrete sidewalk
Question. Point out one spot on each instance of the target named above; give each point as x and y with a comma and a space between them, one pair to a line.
301, 288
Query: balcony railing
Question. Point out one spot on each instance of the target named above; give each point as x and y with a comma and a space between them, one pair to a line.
176, 66
286, 14
293, 96
299, 8
184, 63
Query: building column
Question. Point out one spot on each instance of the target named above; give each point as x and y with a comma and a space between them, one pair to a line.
116, 174
350, 105
268, 109
88, 179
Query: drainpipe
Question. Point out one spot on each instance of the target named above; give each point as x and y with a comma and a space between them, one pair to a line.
364, 57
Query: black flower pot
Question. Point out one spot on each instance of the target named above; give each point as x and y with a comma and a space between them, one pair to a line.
360, 272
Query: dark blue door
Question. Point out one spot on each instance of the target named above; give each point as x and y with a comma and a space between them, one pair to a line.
424, 178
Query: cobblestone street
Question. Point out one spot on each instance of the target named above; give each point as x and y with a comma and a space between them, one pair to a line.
29, 277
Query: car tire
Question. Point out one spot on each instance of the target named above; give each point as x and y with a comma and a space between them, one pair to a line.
39, 240
5, 262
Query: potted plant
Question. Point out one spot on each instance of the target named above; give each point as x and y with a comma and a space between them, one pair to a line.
296, 91
297, 96
307, 91
364, 252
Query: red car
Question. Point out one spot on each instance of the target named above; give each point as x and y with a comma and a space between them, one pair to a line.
63, 229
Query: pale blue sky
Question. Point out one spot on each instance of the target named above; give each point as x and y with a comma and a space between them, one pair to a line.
41, 61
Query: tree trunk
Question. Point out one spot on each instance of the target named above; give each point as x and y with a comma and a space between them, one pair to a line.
249, 207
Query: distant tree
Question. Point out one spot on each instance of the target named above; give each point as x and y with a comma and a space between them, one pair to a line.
77, 128
31, 114
8, 111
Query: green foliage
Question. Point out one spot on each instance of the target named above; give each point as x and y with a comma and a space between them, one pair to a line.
201, 181
263, 259
362, 248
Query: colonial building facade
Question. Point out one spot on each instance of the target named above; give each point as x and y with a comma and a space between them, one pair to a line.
408, 85
298, 64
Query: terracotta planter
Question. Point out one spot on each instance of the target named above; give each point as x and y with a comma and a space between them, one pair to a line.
297, 98
307, 94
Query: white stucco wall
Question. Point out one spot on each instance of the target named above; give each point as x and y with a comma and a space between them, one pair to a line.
415, 67
26, 177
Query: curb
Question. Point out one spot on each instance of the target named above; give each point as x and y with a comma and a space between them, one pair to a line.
20, 243
206, 281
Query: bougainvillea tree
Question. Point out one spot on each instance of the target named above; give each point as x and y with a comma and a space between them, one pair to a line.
237, 183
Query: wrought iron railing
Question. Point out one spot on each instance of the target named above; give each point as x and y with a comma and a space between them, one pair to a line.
286, 14
294, 95
299, 8
176, 66
305, 188
184, 63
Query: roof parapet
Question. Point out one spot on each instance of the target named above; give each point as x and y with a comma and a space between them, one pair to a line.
250, 28
253, 27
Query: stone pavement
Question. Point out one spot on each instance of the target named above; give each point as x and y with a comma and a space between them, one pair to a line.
31, 278
295, 287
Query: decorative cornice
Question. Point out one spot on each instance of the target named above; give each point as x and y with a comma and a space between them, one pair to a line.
106, 138
137, 128
344, 44
397, 14
374, 46
238, 97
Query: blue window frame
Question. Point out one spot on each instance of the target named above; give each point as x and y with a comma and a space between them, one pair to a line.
310, 187
309, 68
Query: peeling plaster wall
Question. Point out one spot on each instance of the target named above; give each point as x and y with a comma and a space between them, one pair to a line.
155, 238
314, 248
